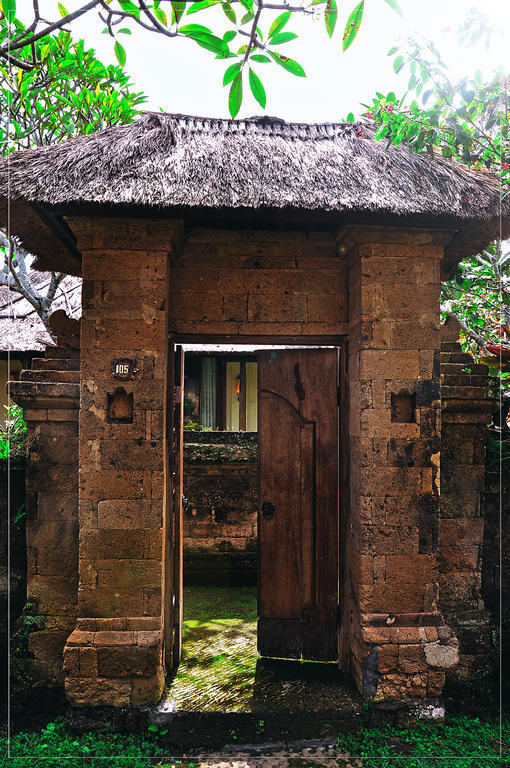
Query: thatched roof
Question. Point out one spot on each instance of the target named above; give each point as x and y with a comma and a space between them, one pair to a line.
165, 161
21, 329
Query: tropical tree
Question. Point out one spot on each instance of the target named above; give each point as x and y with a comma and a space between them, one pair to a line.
244, 38
70, 92
468, 120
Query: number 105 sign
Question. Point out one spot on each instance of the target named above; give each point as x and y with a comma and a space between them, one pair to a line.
123, 368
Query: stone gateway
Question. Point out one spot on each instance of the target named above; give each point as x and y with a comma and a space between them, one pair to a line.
256, 232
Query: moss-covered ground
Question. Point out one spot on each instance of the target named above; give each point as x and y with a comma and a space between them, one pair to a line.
219, 649
221, 670
220, 653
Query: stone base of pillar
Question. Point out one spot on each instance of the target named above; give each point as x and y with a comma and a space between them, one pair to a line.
114, 662
402, 656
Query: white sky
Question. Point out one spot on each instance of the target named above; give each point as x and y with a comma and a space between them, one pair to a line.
179, 76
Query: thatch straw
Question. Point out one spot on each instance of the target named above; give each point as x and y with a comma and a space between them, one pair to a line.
167, 160
163, 162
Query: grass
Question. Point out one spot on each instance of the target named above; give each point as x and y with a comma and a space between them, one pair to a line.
462, 742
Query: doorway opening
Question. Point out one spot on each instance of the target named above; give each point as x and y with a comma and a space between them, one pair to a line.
259, 524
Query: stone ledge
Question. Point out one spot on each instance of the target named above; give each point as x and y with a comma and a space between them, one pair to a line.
113, 667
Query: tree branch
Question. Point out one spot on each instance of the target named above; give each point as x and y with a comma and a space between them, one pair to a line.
4, 51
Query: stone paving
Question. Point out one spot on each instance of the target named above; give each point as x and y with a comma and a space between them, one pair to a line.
221, 671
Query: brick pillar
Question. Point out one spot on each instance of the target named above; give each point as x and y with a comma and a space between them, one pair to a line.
465, 411
49, 395
398, 642
114, 656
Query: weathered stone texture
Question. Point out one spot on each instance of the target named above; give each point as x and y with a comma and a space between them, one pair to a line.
121, 479
461, 525
220, 520
255, 282
391, 554
496, 532
51, 412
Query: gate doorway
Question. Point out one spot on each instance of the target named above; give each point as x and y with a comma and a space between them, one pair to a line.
297, 516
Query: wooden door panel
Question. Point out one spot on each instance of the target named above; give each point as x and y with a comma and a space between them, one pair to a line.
298, 466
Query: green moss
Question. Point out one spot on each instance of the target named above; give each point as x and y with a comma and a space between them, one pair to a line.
196, 453
219, 657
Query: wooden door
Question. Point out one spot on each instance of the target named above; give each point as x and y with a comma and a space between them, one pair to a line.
298, 504
173, 509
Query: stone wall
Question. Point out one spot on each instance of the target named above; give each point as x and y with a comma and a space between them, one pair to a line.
140, 274
12, 534
49, 395
247, 282
115, 655
465, 409
393, 630
496, 535
220, 513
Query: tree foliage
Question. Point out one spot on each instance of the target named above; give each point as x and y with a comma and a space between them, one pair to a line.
69, 93
467, 120
252, 31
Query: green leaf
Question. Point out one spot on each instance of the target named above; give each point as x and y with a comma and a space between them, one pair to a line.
330, 17
125, 31
9, 9
350, 117
279, 23
178, 6
392, 50
285, 37
188, 29
161, 16
248, 4
235, 97
229, 36
63, 10
229, 12
194, 7
396, 7
289, 64
120, 53
130, 7
231, 72
209, 42
260, 58
257, 88
247, 17
352, 26
398, 64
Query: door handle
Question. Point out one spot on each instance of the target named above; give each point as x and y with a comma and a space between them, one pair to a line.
268, 510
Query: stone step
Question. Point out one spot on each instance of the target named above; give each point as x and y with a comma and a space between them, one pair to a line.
55, 364
463, 380
63, 352
457, 368
456, 357
463, 393
450, 346
242, 731
72, 377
